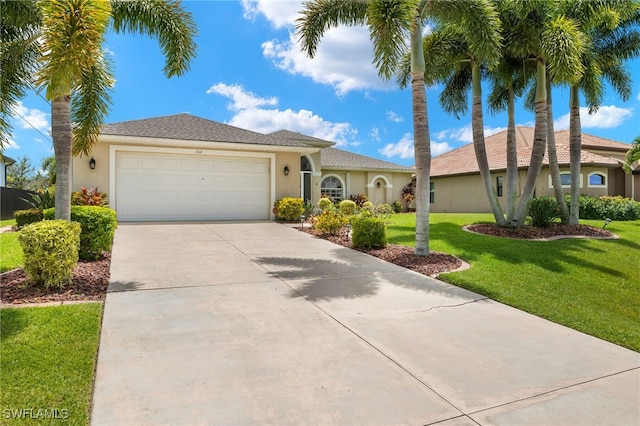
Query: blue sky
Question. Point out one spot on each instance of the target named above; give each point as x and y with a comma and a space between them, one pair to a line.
250, 73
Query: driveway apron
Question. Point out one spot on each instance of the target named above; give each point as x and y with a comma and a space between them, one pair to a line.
259, 323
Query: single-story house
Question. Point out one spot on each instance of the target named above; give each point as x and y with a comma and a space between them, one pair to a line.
4, 163
456, 185
182, 167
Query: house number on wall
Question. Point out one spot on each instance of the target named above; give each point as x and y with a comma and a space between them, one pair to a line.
198, 151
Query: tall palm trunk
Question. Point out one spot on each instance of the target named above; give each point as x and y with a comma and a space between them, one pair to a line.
512, 159
539, 144
62, 145
575, 151
422, 144
554, 168
477, 125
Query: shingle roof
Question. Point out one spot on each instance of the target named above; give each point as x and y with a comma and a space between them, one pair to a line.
340, 159
463, 160
294, 136
189, 127
337, 158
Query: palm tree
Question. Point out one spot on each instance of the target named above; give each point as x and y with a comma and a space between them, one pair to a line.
390, 24
537, 32
611, 34
453, 63
73, 71
633, 155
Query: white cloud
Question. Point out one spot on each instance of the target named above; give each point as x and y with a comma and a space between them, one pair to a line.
392, 116
241, 99
279, 13
250, 115
465, 134
404, 148
343, 60
375, 134
607, 117
30, 118
11, 144
638, 97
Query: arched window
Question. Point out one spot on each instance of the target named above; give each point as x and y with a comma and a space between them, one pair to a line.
332, 186
597, 180
305, 164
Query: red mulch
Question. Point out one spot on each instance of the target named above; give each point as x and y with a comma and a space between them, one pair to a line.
90, 281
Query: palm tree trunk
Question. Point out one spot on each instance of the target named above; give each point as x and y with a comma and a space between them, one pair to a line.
512, 159
539, 144
477, 125
421, 143
554, 168
575, 148
62, 144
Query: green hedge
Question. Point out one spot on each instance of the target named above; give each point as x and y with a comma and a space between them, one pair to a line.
369, 232
98, 227
614, 208
26, 217
50, 251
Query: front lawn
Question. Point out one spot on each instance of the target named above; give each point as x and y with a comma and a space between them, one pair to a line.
10, 252
47, 358
590, 285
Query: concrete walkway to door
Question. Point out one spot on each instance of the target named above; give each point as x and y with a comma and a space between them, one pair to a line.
258, 323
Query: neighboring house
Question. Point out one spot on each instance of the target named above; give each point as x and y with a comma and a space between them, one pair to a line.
183, 167
456, 185
4, 163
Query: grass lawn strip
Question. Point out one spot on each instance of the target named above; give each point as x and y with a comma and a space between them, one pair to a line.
589, 285
11, 256
47, 358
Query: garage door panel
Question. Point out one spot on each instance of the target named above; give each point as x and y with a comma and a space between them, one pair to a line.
154, 186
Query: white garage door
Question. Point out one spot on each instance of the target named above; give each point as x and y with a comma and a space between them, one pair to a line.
156, 187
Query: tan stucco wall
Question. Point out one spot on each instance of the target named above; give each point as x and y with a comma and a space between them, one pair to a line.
365, 182
287, 186
466, 194
83, 176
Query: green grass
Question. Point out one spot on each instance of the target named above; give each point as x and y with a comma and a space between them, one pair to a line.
7, 222
589, 285
47, 357
11, 256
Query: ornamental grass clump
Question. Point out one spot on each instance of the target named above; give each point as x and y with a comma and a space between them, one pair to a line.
50, 251
543, 211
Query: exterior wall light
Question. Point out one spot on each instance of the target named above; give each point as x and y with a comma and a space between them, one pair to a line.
378, 184
92, 163
286, 170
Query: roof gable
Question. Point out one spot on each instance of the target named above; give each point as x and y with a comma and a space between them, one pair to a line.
337, 158
189, 127
299, 137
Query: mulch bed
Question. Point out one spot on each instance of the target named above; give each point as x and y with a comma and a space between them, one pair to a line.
431, 265
90, 281
531, 233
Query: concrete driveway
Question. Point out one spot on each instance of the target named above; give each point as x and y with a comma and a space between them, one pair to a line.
258, 323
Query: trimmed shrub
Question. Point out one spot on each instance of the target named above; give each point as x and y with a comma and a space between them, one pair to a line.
98, 226
50, 251
330, 221
397, 206
26, 217
367, 208
382, 210
325, 204
369, 232
290, 208
359, 199
614, 208
347, 207
543, 211
89, 197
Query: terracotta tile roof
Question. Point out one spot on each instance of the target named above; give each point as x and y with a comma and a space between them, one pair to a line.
339, 159
463, 160
189, 127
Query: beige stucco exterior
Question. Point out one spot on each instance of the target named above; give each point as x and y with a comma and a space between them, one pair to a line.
466, 193
366, 182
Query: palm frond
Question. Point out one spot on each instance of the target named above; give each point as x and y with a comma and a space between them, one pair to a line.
165, 20
320, 15
563, 45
